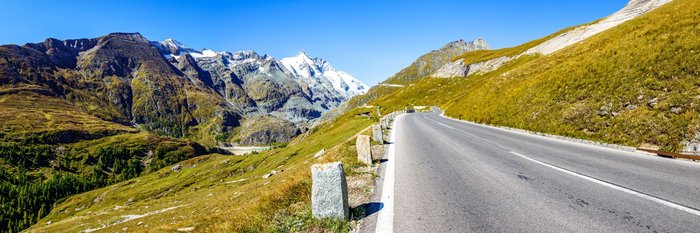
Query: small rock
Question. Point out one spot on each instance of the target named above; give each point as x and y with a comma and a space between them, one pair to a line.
176, 168
640, 97
676, 110
603, 111
653, 102
209, 195
139, 224
320, 153
48, 223
267, 175
186, 229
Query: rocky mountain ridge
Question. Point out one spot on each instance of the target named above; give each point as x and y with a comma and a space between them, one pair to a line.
434, 60
633, 9
170, 89
297, 89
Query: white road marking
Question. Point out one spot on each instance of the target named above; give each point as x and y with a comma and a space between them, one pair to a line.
614, 186
450, 127
385, 219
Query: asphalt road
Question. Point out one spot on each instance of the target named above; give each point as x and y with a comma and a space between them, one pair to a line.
453, 176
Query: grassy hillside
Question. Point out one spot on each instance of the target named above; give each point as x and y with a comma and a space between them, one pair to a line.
635, 84
50, 149
218, 193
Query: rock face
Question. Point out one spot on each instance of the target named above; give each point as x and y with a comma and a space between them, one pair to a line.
459, 69
377, 135
329, 191
452, 69
364, 153
266, 129
436, 59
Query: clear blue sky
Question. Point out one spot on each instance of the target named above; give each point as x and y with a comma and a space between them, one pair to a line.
370, 39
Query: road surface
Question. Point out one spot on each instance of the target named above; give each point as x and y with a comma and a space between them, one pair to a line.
453, 176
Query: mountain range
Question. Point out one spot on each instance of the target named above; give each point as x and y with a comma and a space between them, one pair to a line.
170, 89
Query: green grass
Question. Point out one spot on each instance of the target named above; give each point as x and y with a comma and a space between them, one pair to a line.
219, 193
27, 115
653, 58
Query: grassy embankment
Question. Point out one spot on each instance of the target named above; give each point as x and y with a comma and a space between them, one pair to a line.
217, 193
635, 84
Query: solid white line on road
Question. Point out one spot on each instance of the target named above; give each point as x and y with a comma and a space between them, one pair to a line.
385, 219
614, 186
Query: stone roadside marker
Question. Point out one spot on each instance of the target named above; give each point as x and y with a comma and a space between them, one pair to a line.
364, 153
329, 191
377, 134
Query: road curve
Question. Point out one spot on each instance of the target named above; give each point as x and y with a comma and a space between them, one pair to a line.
453, 176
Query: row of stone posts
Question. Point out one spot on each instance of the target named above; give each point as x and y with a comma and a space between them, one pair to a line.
329, 193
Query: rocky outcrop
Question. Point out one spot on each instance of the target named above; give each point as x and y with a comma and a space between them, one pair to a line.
459, 69
436, 59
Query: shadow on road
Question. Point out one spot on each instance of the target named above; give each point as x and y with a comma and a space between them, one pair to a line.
366, 210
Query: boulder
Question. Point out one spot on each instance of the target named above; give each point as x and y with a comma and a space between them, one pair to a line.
176, 168
329, 191
364, 153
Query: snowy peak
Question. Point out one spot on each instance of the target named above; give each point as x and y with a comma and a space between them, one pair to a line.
322, 78
173, 44
321, 72
173, 48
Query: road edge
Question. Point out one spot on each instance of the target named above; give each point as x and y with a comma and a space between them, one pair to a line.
385, 217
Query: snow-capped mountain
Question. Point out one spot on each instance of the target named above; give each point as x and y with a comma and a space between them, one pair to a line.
298, 89
321, 70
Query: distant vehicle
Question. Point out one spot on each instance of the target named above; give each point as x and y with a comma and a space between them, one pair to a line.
410, 111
